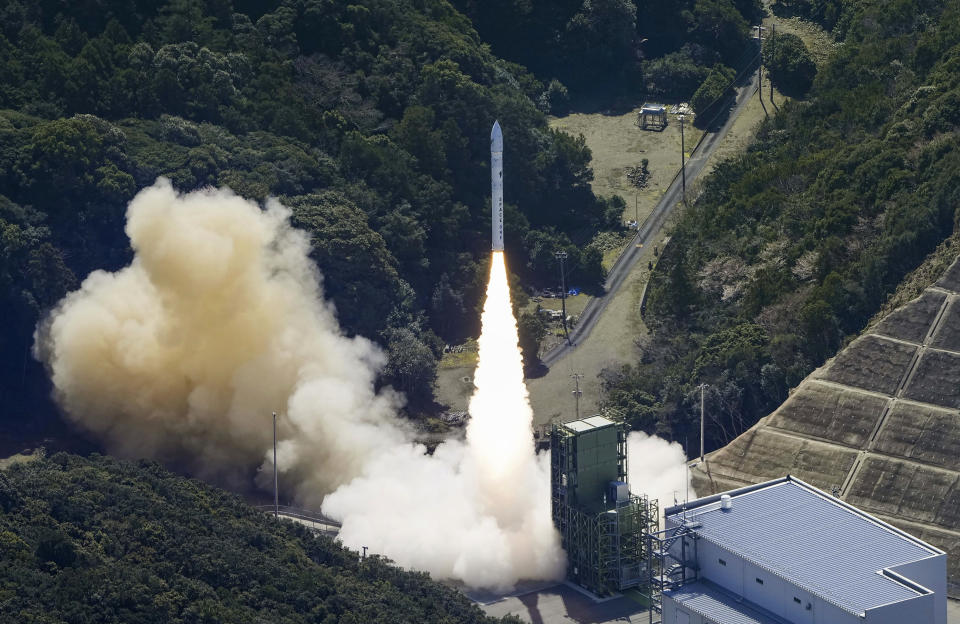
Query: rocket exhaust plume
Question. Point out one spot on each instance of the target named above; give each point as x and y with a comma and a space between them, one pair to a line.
477, 511
220, 320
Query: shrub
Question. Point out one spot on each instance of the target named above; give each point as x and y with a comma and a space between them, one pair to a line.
713, 93
789, 64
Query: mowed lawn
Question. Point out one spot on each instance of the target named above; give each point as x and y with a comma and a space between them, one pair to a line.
618, 144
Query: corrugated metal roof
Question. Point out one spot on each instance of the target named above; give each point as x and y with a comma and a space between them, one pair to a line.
586, 424
813, 541
598, 421
713, 603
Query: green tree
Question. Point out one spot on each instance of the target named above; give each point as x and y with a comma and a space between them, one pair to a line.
360, 274
712, 97
789, 64
600, 37
720, 26
411, 366
531, 329
94, 539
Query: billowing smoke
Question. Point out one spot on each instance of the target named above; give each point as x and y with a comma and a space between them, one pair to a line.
658, 469
217, 322
478, 511
220, 320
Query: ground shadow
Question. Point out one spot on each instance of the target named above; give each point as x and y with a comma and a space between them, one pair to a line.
583, 610
786, 12
717, 116
529, 602
536, 370
614, 105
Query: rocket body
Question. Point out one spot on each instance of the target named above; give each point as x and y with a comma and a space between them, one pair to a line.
496, 181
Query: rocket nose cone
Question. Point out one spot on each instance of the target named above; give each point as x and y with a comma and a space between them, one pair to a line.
496, 138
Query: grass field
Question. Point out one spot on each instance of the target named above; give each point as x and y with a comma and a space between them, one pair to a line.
611, 343
618, 144
819, 42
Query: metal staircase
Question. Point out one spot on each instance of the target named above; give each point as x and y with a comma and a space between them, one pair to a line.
672, 561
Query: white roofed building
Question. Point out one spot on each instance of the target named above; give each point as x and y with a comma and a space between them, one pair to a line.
785, 552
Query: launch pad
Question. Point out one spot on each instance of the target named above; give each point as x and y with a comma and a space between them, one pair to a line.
603, 526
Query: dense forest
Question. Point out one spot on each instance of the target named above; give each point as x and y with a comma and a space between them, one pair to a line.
791, 247
370, 120
94, 539
618, 47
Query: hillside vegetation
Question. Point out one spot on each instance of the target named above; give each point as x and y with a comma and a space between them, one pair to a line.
370, 119
622, 47
791, 248
86, 540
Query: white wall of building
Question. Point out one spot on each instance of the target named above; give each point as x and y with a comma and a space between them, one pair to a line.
915, 611
728, 574
775, 594
676, 614
932, 574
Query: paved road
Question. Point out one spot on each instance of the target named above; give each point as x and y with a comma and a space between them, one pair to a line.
649, 230
563, 604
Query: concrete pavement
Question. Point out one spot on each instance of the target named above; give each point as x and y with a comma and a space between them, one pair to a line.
564, 604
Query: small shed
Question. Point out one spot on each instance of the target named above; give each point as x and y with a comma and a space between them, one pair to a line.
652, 117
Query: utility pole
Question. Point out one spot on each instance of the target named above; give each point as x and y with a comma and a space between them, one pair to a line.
562, 256
636, 210
702, 388
578, 392
276, 492
760, 30
773, 34
683, 163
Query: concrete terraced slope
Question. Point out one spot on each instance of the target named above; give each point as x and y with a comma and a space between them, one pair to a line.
879, 424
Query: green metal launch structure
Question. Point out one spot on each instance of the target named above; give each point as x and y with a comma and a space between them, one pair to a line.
603, 526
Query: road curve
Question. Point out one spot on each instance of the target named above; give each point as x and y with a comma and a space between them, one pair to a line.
649, 229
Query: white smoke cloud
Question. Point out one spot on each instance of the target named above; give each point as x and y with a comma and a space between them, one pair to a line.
424, 512
477, 511
220, 320
657, 468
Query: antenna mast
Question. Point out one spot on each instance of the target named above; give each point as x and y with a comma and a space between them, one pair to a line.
276, 494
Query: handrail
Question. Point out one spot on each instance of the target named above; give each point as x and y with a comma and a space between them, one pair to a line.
301, 514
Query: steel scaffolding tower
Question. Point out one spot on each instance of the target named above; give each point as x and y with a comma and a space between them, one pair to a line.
603, 526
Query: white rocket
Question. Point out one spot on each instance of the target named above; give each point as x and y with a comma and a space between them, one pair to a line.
496, 180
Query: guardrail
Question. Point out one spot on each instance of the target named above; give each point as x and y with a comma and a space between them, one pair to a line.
317, 520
